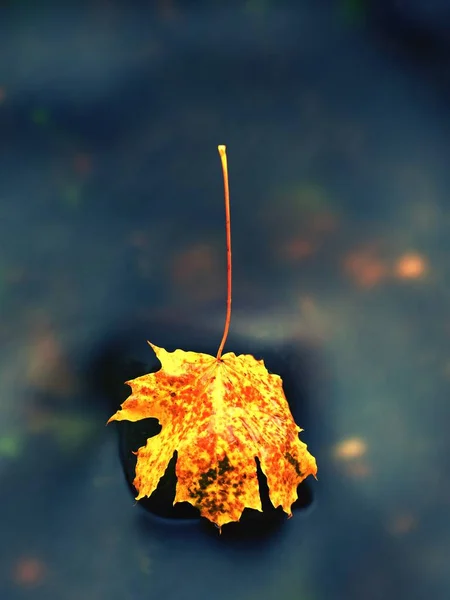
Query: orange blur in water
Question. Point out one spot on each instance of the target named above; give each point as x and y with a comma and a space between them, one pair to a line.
350, 448
29, 572
365, 268
410, 266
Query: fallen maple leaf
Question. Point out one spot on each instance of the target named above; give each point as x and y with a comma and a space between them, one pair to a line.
219, 414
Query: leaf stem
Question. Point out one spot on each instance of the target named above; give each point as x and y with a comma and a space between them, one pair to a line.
223, 158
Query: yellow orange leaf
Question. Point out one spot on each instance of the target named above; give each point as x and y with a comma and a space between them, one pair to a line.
219, 415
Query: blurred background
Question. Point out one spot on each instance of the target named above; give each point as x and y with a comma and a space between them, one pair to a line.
336, 119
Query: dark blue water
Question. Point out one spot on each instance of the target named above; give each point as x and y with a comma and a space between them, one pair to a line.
336, 120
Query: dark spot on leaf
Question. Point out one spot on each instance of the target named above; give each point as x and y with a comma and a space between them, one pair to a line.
294, 463
224, 465
206, 479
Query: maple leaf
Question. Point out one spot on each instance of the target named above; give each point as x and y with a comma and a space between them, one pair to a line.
218, 415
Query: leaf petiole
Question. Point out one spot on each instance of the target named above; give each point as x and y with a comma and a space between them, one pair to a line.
223, 157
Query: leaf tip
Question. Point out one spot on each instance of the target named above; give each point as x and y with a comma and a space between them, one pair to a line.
157, 349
